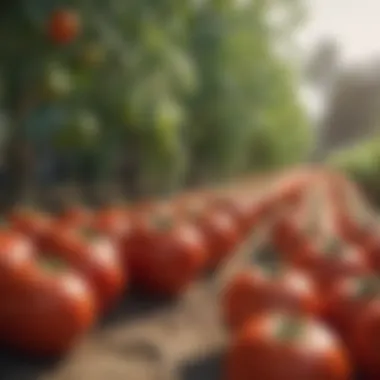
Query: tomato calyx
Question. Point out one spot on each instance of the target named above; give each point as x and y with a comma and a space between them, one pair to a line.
333, 247
88, 233
273, 270
162, 222
52, 264
289, 327
368, 287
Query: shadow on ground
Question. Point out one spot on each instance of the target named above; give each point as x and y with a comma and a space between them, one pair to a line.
206, 368
135, 305
16, 366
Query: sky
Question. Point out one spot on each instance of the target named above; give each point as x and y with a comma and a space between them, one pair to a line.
355, 24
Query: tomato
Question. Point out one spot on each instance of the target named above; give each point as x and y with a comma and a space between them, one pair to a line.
64, 26
33, 224
254, 291
94, 256
76, 216
290, 190
220, 233
364, 340
346, 301
237, 209
352, 216
164, 254
43, 310
294, 227
112, 222
276, 347
332, 261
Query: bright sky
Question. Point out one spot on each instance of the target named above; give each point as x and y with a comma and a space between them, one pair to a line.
354, 23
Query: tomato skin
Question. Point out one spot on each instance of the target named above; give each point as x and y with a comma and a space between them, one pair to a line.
75, 217
251, 293
346, 300
330, 264
164, 255
64, 26
95, 257
274, 347
371, 245
41, 312
364, 340
237, 209
112, 222
33, 224
221, 234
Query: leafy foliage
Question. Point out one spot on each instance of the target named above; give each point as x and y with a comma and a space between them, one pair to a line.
179, 88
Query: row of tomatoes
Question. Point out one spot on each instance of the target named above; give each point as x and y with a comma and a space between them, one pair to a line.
59, 274
314, 313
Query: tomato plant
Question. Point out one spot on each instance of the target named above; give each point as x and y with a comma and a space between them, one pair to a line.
255, 291
276, 346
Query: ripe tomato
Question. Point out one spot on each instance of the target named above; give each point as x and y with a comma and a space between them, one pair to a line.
164, 255
295, 227
43, 310
346, 301
64, 26
95, 257
255, 291
332, 261
364, 340
31, 223
112, 222
352, 216
220, 233
237, 209
276, 346
75, 216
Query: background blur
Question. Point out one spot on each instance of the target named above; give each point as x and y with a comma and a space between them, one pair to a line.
108, 99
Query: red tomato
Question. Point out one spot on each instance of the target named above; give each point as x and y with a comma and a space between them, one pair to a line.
253, 292
76, 217
277, 347
364, 340
95, 257
346, 301
43, 310
112, 222
351, 214
164, 255
332, 261
237, 209
221, 235
64, 26
31, 223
